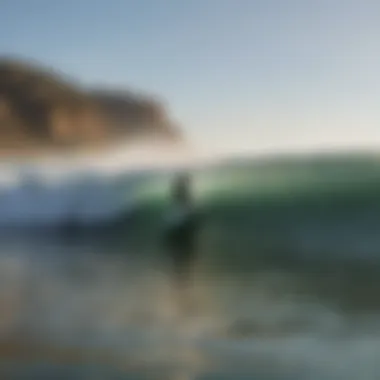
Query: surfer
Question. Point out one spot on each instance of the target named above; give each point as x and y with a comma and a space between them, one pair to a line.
182, 228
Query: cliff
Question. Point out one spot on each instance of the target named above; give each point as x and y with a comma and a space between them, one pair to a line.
40, 108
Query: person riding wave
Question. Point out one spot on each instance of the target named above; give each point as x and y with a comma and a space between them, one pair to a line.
182, 226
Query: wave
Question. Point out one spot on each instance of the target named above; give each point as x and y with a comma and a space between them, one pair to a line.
297, 191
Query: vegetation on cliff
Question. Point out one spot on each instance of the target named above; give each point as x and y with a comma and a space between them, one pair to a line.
40, 108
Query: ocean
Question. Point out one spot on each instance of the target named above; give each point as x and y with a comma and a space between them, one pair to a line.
285, 285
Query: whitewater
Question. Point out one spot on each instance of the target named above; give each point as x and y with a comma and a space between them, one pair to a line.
81, 189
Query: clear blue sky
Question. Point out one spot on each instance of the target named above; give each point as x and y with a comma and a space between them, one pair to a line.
264, 73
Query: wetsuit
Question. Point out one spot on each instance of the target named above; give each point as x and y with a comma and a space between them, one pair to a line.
182, 231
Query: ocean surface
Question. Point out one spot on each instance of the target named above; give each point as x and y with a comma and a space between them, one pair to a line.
285, 286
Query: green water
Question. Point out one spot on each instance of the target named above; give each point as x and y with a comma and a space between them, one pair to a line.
270, 208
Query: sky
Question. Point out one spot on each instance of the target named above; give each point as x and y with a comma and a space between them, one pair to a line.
247, 75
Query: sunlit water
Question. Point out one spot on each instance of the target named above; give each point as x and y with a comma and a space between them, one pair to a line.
119, 310
285, 291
